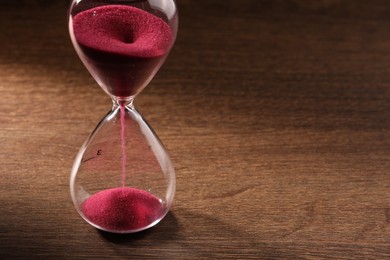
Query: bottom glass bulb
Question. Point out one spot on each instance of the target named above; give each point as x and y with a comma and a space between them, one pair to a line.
122, 180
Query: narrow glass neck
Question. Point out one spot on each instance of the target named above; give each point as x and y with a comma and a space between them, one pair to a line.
122, 102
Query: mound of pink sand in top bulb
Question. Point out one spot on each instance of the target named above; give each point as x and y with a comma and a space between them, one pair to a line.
122, 209
122, 30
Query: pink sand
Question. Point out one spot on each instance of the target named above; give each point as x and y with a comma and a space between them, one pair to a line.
122, 209
123, 142
122, 30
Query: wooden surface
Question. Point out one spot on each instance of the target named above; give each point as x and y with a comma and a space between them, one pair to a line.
276, 115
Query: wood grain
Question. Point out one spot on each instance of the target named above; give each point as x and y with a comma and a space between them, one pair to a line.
276, 115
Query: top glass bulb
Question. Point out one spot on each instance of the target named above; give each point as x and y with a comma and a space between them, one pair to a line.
123, 43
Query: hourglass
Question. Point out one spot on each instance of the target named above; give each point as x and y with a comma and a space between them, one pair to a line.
122, 180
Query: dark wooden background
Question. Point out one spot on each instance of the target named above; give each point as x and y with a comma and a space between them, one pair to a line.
275, 113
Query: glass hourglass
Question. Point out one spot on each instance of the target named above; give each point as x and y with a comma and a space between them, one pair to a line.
122, 180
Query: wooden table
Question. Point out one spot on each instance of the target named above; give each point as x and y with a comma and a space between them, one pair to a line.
276, 115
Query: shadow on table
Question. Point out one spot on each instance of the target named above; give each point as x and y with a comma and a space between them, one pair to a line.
169, 224
194, 235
